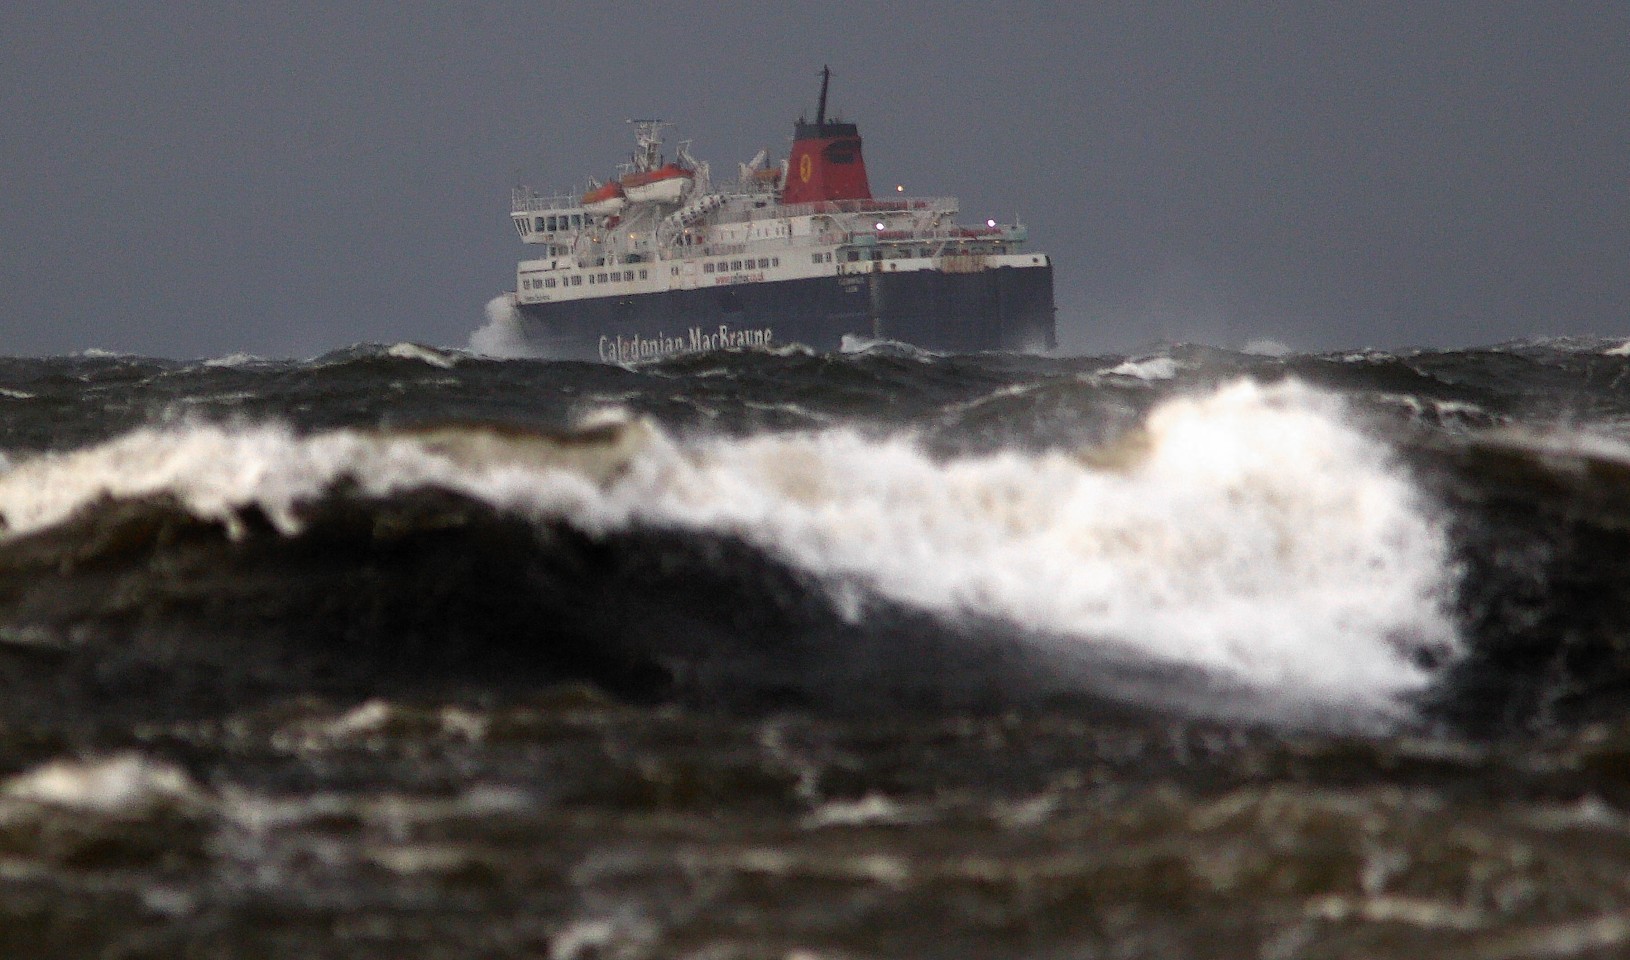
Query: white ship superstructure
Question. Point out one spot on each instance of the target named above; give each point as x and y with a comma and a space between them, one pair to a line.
663, 258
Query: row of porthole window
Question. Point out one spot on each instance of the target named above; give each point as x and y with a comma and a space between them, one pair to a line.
548, 283
731, 266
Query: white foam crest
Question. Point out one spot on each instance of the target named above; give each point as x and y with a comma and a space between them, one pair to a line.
1153, 368
502, 336
858, 343
232, 360
1564, 447
1252, 531
215, 471
120, 785
1256, 534
425, 355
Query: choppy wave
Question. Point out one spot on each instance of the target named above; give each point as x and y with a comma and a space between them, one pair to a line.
405, 651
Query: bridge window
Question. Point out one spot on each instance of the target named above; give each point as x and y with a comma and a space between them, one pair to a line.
540, 225
642, 273
520, 226
775, 261
577, 281
735, 265
707, 267
854, 255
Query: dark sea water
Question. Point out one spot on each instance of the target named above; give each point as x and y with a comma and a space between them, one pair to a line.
402, 652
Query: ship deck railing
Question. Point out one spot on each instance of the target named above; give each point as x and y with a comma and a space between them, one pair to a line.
523, 200
945, 240
925, 205
1002, 233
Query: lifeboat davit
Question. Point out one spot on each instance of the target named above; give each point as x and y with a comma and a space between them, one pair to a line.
606, 199
665, 184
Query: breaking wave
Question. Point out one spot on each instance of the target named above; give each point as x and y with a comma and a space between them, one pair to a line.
1253, 533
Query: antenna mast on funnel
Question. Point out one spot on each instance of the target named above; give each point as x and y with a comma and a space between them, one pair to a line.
820, 111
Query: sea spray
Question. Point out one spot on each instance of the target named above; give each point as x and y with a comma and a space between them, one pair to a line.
501, 336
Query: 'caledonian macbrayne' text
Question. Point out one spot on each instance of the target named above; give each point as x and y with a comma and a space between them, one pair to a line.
622, 349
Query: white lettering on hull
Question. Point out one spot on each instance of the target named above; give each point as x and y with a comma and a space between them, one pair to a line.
621, 349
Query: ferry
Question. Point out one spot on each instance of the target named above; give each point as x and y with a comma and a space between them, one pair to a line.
662, 258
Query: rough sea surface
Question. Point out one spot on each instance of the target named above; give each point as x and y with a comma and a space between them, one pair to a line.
402, 652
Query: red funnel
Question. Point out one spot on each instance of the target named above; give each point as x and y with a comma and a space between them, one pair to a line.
826, 162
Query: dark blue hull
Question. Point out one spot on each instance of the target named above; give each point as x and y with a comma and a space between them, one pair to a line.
1003, 308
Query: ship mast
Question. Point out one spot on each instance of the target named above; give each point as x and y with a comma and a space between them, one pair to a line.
648, 145
820, 110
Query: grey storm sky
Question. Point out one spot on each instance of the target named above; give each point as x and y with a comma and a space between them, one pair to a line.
198, 179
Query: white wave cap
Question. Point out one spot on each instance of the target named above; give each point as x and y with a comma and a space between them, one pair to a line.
1151, 368
426, 355
1257, 533
1252, 531
125, 784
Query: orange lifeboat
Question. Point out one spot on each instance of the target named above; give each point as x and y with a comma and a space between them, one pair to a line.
605, 199
665, 184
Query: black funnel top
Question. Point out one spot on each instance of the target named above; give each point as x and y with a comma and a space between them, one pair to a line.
820, 129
